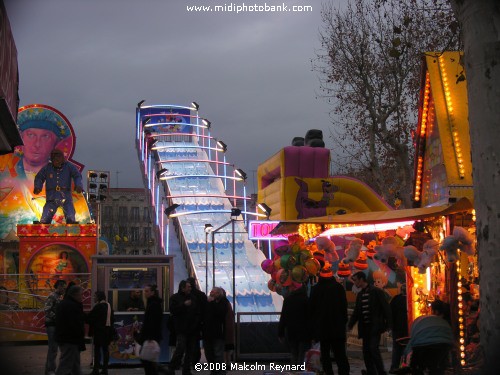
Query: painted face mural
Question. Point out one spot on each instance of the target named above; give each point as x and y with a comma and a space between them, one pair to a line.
42, 129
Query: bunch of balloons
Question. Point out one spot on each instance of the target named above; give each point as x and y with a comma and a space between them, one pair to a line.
292, 265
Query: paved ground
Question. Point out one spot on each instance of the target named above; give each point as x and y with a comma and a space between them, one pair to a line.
30, 360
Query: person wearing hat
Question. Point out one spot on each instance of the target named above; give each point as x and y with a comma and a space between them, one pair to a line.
328, 316
57, 176
40, 137
373, 315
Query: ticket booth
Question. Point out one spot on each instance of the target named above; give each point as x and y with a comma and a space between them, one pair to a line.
122, 279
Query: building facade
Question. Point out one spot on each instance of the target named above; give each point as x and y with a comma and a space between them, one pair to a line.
125, 222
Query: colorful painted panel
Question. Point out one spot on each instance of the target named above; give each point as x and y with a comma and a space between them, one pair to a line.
166, 120
42, 128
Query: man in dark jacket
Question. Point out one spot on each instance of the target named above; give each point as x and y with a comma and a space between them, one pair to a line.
50, 323
399, 311
293, 324
186, 316
70, 332
328, 316
215, 329
152, 324
101, 320
373, 315
201, 299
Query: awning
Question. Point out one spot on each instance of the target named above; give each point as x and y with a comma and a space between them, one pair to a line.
291, 226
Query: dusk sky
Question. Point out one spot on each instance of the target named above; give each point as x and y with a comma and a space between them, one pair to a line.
93, 60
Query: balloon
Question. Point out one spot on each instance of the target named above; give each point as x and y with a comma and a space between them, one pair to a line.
299, 274
282, 276
312, 266
288, 261
277, 263
271, 284
279, 288
296, 248
267, 266
304, 255
282, 250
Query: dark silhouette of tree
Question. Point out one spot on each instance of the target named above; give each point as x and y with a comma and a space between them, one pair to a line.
370, 68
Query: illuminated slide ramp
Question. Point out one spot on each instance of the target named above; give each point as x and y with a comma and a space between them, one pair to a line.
192, 185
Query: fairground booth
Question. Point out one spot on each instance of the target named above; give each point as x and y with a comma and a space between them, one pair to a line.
122, 279
33, 256
430, 247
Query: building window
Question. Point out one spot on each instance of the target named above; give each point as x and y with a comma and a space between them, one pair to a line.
134, 214
107, 213
134, 234
147, 235
122, 213
145, 215
106, 231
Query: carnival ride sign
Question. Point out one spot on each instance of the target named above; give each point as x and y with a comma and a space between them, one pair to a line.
261, 230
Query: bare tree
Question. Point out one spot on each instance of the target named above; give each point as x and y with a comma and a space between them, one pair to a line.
370, 65
480, 24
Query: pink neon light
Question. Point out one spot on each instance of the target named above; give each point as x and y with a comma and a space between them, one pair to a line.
172, 114
192, 160
368, 228
208, 196
261, 230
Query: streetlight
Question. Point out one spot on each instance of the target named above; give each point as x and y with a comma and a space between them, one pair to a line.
97, 192
265, 208
168, 211
208, 229
235, 212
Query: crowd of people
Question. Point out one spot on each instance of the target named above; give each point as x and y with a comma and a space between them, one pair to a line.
322, 317
197, 320
65, 325
325, 310
194, 316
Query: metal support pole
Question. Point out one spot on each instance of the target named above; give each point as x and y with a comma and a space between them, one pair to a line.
234, 268
213, 259
206, 263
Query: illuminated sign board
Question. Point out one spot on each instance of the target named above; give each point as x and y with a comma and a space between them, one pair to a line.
261, 230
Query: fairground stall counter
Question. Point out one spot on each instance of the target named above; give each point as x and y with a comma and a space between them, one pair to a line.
122, 279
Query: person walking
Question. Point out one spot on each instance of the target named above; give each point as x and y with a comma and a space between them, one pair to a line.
152, 325
215, 329
373, 315
186, 317
50, 325
399, 311
293, 324
70, 331
101, 320
328, 316
201, 299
